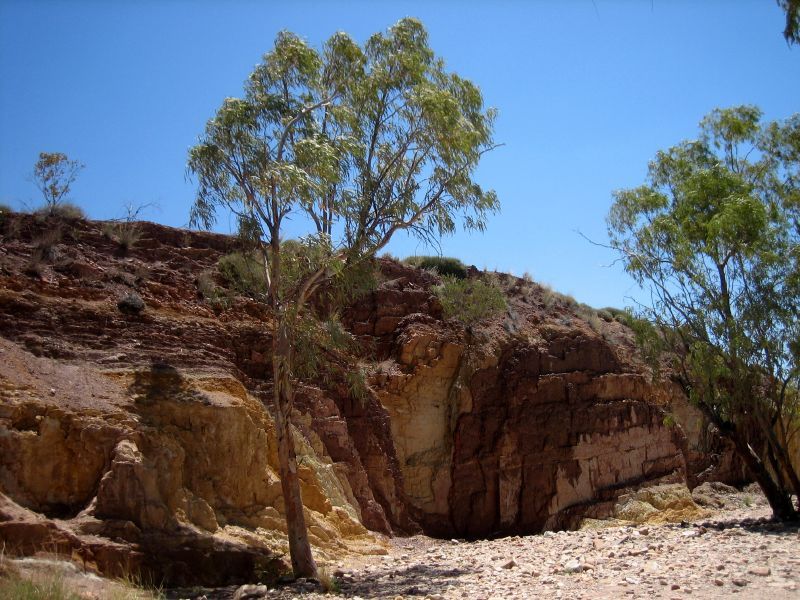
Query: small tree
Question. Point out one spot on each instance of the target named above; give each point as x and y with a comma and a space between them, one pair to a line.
715, 235
359, 143
54, 173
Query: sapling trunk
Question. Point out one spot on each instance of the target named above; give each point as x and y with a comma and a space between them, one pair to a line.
303, 564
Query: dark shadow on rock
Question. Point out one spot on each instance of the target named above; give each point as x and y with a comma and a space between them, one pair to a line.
163, 382
415, 580
763, 526
177, 554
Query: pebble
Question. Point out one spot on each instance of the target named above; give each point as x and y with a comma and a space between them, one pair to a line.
714, 560
573, 566
510, 564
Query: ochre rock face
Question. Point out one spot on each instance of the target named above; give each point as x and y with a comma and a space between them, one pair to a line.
176, 469
146, 439
522, 438
533, 420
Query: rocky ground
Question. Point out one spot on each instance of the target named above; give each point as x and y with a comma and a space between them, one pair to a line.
737, 550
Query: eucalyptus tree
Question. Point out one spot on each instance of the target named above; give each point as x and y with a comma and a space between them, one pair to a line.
358, 143
792, 29
714, 233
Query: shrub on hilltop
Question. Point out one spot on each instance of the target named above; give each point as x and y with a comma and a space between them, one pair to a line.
443, 265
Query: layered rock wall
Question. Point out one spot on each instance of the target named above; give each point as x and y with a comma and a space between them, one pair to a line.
524, 437
147, 438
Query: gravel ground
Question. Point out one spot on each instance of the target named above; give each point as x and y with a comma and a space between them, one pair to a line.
739, 551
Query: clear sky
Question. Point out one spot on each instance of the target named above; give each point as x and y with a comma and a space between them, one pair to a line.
587, 91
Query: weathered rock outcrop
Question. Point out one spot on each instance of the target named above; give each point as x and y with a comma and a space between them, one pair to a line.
517, 434
146, 438
148, 434
174, 474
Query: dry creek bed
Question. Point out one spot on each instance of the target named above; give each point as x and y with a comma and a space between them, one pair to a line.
738, 552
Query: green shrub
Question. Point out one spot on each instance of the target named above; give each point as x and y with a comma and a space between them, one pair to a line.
211, 293
625, 317
244, 273
605, 314
328, 582
586, 312
548, 296
469, 300
444, 265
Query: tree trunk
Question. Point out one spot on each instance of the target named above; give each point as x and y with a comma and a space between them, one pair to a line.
779, 500
784, 461
303, 564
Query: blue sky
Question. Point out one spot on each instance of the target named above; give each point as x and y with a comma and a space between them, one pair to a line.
587, 92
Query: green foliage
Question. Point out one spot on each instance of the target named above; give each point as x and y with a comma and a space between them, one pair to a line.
443, 265
218, 298
328, 583
357, 384
792, 30
45, 588
605, 314
244, 273
469, 300
54, 173
352, 282
568, 300
616, 313
322, 353
715, 235
364, 141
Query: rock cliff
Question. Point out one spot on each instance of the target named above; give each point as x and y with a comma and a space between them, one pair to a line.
531, 421
143, 440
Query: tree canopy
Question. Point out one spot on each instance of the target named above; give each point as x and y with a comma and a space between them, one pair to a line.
54, 173
714, 234
357, 142
364, 142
